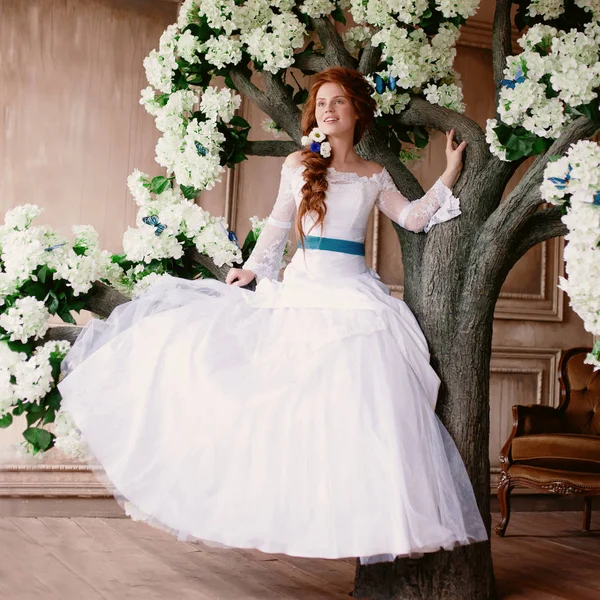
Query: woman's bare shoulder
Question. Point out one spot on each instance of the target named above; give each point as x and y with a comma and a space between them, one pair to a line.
294, 159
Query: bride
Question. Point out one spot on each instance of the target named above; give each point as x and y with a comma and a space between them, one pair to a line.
298, 418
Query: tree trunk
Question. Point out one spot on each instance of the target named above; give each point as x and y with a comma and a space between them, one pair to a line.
460, 343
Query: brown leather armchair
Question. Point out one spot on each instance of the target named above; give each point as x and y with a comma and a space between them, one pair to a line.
556, 449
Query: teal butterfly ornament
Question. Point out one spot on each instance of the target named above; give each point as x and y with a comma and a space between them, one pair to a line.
154, 222
230, 235
382, 82
512, 83
54, 247
561, 182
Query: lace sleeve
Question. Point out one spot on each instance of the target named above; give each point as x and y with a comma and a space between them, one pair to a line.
436, 206
265, 259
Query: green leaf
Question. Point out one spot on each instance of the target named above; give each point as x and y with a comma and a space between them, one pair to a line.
300, 96
42, 273
159, 184
590, 110
238, 121
40, 439
421, 136
50, 417
229, 82
189, 191
66, 316
32, 417
52, 304
338, 15
6, 421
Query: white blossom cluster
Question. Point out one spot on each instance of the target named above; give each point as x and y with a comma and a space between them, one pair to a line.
27, 319
68, 438
415, 58
574, 180
177, 219
547, 9
448, 95
389, 102
571, 61
27, 379
188, 148
270, 126
356, 37
23, 249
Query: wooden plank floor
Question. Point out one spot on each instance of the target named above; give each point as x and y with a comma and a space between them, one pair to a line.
544, 557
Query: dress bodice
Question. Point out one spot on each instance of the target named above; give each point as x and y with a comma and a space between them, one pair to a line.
349, 198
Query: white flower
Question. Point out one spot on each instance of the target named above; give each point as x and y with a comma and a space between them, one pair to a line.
446, 95
68, 438
22, 216
462, 8
188, 46
271, 127
548, 9
144, 284
135, 183
355, 37
28, 318
317, 8
221, 104
316, 135
222, 51
496, 147
325, 149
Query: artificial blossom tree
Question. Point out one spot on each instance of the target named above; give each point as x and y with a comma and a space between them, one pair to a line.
546, 100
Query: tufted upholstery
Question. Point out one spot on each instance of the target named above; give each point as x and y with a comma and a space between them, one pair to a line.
582, 395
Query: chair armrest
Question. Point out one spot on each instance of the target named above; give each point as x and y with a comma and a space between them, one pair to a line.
528, 420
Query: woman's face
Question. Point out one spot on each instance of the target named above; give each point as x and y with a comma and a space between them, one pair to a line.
334, 112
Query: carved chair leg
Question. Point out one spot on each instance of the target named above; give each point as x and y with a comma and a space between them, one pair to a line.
587, 513
504, 490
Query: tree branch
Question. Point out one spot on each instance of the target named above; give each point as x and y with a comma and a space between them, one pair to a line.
281, 106
270, 148
313, 63
335, 51
104, 299
369, 58
544, 225
61, 332
421, 112
501, 42
275, 102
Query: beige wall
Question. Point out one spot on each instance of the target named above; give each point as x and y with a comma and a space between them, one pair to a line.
71, 130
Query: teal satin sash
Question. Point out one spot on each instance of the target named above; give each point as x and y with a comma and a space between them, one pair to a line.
313, 242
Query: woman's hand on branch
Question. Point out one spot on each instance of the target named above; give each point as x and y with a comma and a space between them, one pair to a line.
454, 159
239, 277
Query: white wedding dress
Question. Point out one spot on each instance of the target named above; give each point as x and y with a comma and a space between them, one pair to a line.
295, 419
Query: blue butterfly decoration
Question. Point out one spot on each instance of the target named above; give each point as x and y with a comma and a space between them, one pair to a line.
511, 83
561, 183
381, 83
595, 199
231, 236
50, 248
153, 220
202, 151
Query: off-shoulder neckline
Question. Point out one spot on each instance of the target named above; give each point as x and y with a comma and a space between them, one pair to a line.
334, 170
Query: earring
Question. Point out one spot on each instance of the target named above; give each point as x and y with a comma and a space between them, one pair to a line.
316, 140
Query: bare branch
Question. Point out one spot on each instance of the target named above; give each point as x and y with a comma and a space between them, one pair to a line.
61, 332
281, 106
313, 63
421, 112
501, 41
201, 259
335, 51
271, 148
275, 102
544, 225
104, 299
369, 58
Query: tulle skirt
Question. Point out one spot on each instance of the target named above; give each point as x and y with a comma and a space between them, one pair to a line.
296, 419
